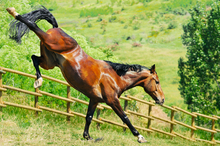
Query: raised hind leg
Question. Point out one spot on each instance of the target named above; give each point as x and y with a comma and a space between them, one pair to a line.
36, 61
90, 112
46, 61
115, 104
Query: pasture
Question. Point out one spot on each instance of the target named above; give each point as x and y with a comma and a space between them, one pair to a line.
132, 33
159, 45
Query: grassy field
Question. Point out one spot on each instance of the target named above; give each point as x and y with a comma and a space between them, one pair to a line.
52, 129
137, 33
163, 49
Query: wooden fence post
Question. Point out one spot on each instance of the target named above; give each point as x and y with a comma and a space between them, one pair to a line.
97, 117
171, 125
125, 109
36, 101
213, 128
68, 104
1, 100
149, 120
193, 125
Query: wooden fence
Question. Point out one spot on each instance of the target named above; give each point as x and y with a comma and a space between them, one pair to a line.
37, 108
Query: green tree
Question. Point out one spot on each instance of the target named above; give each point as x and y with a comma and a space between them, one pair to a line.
200, 74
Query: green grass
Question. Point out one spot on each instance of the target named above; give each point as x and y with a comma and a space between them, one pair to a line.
20, 127
52, 129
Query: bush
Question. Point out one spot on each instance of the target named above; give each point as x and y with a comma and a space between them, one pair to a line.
136, 24
179, 11
99, 19
200, 73
112, 18
126, 26
95, 11
172, 25
154, 33
89, 25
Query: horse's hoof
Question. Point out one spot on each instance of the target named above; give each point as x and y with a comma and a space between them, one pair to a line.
38, 82
141, 139
12, 11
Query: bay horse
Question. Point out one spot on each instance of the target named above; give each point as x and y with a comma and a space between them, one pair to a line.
101, 81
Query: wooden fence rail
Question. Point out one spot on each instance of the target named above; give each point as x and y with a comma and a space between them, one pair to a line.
69, 113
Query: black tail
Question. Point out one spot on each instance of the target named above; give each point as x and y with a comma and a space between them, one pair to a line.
18, 29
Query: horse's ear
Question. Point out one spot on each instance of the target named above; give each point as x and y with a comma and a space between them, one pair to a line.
152, 70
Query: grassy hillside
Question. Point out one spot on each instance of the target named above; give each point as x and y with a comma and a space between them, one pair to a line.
137, 32
154, 29
150, 26
52, 129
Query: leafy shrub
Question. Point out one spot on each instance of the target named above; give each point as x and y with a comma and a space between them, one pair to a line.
113, 2
50, 4
157, 19
126, 26
89, 25
179, 11
136, 24
122, 21
154, 33
176, 4
199, 74
95, 11
168, 17
107, 51
162, 27
112, 18
172, 25
99, 18
123, 8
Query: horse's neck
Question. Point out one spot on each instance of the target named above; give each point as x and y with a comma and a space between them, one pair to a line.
133, 78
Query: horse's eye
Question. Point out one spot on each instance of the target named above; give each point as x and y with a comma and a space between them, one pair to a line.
157, 82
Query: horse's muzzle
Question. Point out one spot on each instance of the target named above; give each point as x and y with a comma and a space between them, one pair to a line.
159, 102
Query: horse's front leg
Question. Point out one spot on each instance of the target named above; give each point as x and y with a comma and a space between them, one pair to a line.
36, 61
115, 104
90, 112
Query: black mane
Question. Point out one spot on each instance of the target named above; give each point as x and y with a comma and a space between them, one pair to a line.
121, 69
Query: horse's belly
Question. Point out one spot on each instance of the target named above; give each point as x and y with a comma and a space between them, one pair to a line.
84, 80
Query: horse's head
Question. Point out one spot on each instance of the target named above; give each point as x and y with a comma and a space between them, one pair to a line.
153, 88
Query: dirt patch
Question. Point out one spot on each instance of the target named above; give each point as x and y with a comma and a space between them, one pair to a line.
8, 123
156, 111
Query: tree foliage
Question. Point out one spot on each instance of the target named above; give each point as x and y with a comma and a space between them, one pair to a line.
200, 74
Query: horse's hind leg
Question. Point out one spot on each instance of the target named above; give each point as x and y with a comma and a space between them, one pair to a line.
119, 111
36, 61
46, 61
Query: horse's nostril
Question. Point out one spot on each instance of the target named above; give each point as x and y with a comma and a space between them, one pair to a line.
162, 100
